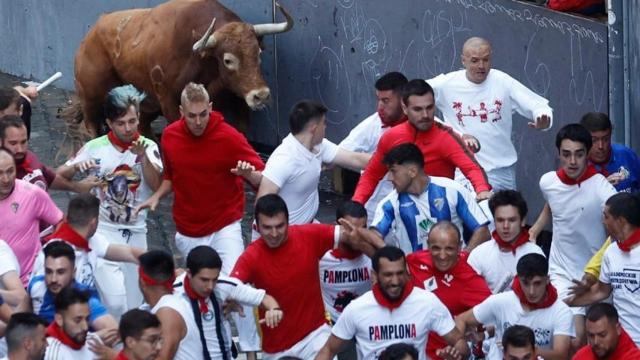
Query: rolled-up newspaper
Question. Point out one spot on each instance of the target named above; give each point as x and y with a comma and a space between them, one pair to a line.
46, 83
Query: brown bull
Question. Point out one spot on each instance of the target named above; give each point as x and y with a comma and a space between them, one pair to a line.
160, 50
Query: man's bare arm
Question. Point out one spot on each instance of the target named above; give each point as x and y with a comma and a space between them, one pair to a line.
333, 346
479, 236
174, 330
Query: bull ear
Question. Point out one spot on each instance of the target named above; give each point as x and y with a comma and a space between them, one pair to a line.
268, 29
207, 40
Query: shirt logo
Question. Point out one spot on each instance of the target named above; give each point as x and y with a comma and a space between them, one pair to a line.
447, 279
14, 207
431, 284
439, 203
208, 316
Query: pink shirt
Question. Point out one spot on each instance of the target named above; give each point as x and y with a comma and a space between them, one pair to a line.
20, 216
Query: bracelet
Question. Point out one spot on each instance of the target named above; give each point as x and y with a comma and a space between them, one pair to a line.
276, 309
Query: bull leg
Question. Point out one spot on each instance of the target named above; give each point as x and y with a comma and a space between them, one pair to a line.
235, 110
149, 111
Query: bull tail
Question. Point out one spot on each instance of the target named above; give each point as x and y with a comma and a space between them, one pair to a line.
76, 133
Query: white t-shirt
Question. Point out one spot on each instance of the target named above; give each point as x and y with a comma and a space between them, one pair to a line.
364, 138
622, 271
485, 110
190, 346
504, 310
56, 350
8, 262
343, 280
375, 327
578, 232
123, 185
296, 171
86, 261
226, 288
409, 218
497, 267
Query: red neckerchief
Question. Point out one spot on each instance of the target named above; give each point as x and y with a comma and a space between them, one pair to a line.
121, 356
391, 305
522, 239
550, 299
193, 295
167, 284
632, 240
25, 165
124, 146
340, 253
56, 331
588, 172
392, 124
68, 234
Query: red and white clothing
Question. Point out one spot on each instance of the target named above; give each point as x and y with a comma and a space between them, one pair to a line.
61, 346
21, 213
443, 152
375, 323
190, 346
35, 172
215, 330
485, 111
504, 310
459, 289
344, 276
208, 196
626, 350
364, 138
87, 253
498, 267
296, 171
621, 270
289, 273
578, 233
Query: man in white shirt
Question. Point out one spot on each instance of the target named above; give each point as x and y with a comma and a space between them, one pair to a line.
620, 271
393, 311
205, 290
496, 259
576, 194
533, 302
293, 169
11, 289
129, 166
26, 336
179, 329
479, 101
68, 335
419, 201
365, 136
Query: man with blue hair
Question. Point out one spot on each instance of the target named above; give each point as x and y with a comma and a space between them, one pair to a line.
129, 168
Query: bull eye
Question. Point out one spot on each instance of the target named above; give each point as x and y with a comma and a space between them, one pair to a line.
230, 61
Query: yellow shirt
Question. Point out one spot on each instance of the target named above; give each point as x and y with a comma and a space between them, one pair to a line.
593, 266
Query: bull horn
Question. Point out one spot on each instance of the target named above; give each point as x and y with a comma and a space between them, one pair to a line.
207, 40
268, 29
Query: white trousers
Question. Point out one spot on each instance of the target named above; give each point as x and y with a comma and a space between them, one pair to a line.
306, 348
229, 245
117, 282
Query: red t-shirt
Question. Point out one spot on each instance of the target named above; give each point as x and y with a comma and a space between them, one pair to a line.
626, 350
459, 289
33, 171
289, 273
443, 152
208, 196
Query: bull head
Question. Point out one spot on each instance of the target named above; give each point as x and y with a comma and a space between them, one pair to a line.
236, 47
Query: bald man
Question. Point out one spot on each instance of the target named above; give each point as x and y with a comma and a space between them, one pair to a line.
478, 102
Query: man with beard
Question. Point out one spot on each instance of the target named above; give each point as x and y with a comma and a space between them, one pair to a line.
606, 338
394, 311
13, 138
68, 334
141, 336
366, 135
26, 337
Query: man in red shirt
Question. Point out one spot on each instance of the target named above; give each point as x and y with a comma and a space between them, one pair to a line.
443, 270
443, 150
284, 261
198, 152
606, 338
